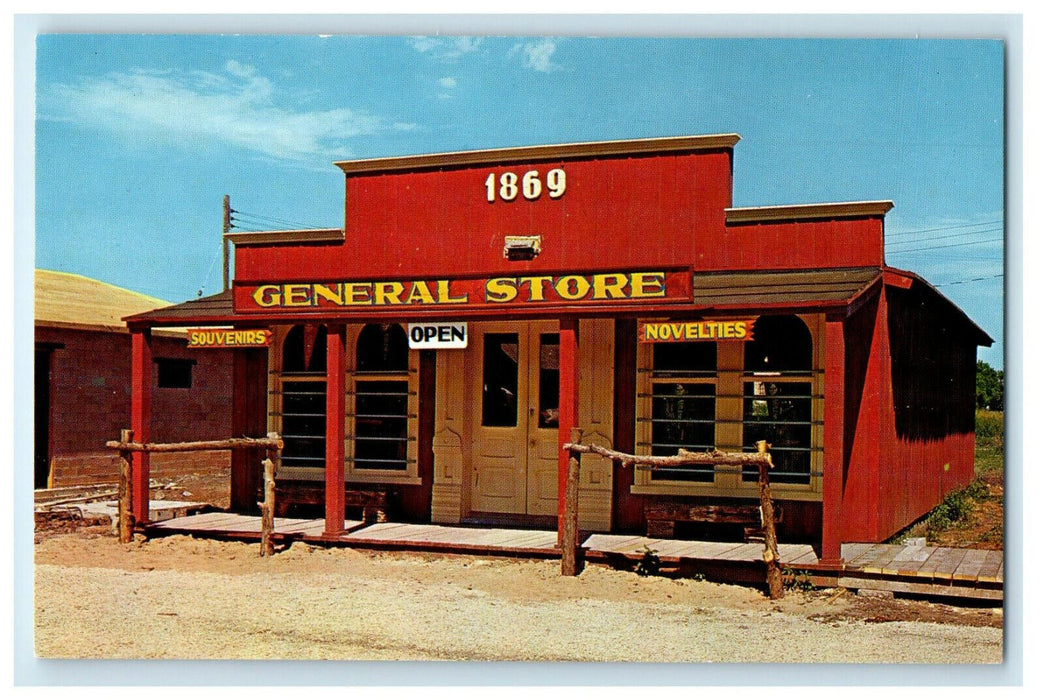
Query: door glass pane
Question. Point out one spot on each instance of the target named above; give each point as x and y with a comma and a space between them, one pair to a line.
500, 380
548, 380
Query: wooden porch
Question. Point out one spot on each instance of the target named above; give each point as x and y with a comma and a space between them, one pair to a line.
924, 570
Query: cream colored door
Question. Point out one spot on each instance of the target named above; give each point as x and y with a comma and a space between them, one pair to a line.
515, 418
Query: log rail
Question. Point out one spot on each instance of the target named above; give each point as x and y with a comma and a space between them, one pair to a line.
273, 446
762, 458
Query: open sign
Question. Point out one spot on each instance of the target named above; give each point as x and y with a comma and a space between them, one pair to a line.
441, 336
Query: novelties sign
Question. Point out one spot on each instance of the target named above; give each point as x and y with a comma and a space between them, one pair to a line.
688, 331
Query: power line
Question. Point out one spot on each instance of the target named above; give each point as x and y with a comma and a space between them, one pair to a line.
947, 228
951, 245
940, 238
284, 222
973, 279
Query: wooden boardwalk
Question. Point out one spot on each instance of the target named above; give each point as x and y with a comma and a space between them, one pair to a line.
539, 543
926, 570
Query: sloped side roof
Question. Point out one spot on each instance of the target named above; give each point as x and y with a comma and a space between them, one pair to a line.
757, 289
214, 307
63, 299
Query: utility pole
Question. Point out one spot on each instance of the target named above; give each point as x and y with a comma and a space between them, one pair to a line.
225, 228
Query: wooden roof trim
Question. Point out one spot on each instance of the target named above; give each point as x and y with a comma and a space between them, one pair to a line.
904, 279
313, 235
592, 149
166, 332
798, 212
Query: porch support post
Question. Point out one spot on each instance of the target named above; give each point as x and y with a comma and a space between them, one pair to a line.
141, 413
335, 389
833, 441
568, 405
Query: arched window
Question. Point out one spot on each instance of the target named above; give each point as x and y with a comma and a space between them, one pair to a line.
383, 391
382, 348
301, 391
777, 397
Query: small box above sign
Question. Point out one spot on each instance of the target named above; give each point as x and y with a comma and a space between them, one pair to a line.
438, 336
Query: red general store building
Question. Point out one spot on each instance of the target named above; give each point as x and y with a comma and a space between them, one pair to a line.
610, 294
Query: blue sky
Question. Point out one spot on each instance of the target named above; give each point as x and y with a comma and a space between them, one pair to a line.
139, 137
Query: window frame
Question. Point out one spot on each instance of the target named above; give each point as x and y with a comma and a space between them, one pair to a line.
277, 380
411, 475
729, 381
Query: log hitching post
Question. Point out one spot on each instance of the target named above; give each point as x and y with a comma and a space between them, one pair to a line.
570, 546
268, 506
126, 489
773, 575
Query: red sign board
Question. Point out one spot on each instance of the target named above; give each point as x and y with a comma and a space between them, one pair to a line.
536, 290
228, 338
689, 331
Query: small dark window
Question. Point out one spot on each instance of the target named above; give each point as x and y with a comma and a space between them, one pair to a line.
174, 373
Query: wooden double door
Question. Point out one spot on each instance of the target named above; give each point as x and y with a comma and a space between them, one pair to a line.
514, 415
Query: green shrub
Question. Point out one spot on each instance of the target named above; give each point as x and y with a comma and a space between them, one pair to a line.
649, 564
989, 427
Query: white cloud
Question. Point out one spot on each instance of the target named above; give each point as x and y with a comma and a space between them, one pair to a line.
448, 82
537, 55
446, 48
238, 107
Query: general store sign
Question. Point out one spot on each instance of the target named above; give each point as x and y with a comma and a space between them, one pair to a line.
438, 336
688, 331
228, 338
525, 290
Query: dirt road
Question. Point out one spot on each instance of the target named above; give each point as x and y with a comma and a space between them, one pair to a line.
179, 597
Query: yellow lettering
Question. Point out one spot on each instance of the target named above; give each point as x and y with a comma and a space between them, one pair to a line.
500, 290
333, 294
536, 287
387, 293
420, 294
357, 293
297, 295
443, 287
610, 286
648, 284
565, 287
267, 295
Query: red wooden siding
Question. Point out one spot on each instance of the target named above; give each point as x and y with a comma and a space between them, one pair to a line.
799, 245
909, 436
616, 213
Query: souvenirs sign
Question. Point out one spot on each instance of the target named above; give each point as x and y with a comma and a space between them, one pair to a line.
229, 338
688, 331
646, 286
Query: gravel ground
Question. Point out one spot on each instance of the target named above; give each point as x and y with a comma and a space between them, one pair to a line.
183, 598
